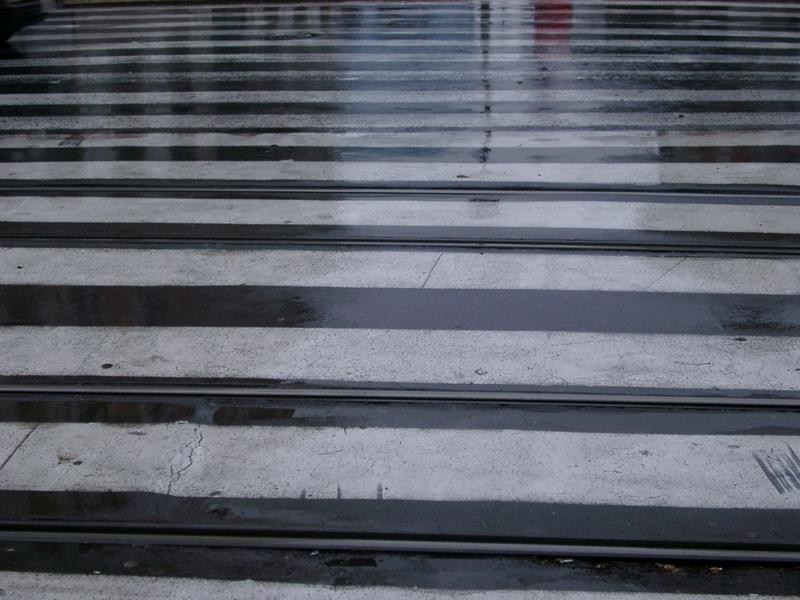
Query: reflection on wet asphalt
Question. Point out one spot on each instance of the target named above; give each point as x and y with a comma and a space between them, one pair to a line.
519, 271
641, 94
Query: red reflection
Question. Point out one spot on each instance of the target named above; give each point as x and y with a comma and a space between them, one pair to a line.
552, 24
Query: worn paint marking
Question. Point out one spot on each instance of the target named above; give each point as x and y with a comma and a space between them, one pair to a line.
782, 468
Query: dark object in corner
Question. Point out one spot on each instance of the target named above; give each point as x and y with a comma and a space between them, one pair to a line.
16, 14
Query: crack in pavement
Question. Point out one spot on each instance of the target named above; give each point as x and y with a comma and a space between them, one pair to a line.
665, 273
192, 447
436, 262
18, 446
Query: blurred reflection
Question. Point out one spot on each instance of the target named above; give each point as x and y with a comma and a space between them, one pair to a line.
485, 37
76, 410
552, 25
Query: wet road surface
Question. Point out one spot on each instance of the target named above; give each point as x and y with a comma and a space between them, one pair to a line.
374, 284
639, 94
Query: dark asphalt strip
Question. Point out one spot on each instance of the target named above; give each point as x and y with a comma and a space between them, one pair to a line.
396, 109
110, 234
473, 191
366, 48
333, 569
469, 526
239, 190
354, 412
487, 155
398, 154
299, 84
730, 7
80, 132
393, 392
468, 67
386, 308
209, 34
346, 25
466, 19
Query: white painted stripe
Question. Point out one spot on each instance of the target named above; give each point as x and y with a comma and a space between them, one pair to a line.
786, 174
730, 173
587, 120
399, 269
442, 465
345, 6
503, 37
621, 273
497, 57
454, 139
209, 28
683, 3
620, 173
520, 13
706, 137
349, 5
498, 20
408, 356
219, 74
35, 586
522, 45
656, 216
394, 97
332, 268
498, 23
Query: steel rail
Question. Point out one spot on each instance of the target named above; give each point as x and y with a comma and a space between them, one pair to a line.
169, 535
693, 249
236, 236
736, 193
389, 395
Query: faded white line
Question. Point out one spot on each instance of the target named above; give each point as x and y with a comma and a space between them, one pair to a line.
199, 28
703, 471
593, 214
500, 139
523, 45
730, 173
497, 57
770, 174
336, 171
519, 11
101, 587
350, 4
398, 269
587, 120
408, 356
356, 96
214, 267
218, 73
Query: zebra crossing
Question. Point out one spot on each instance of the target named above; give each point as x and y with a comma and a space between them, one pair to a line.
485, 278
352, 70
